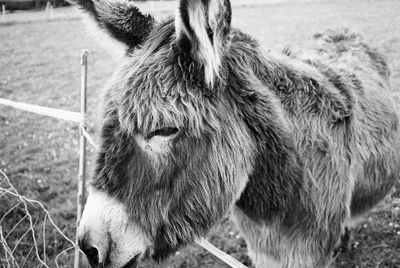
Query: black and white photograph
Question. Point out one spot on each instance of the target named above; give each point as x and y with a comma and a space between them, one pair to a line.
200, 134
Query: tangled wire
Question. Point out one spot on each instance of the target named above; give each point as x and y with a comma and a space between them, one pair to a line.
23, 241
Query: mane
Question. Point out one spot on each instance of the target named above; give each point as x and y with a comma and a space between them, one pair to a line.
291, 78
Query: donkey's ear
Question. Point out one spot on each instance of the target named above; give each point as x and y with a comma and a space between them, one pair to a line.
120, 19
203, 27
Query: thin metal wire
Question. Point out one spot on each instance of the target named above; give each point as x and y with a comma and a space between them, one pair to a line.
85, 134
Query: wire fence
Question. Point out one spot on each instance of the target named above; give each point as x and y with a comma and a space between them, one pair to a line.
24, 240
32, 217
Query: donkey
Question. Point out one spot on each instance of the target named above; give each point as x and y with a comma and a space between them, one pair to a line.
198, 122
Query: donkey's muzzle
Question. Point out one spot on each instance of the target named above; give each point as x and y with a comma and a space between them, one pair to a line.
95, 256
107, 236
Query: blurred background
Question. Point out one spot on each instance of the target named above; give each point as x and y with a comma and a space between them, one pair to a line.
40, 46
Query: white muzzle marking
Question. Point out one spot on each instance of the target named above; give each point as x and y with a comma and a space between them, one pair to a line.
106, 226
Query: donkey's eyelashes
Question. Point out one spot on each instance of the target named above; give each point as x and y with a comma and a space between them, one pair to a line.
167, 131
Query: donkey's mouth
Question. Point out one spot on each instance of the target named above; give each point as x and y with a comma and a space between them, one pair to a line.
133, 263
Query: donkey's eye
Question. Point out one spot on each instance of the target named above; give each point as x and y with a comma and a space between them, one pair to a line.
165, 132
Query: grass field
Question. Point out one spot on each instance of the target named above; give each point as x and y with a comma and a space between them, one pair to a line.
39, 64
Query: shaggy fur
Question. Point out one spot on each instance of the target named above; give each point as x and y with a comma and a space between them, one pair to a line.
120, 19
294, 145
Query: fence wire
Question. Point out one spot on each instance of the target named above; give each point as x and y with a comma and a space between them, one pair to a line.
23, 230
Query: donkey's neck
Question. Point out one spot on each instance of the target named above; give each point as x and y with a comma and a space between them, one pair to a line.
276, 186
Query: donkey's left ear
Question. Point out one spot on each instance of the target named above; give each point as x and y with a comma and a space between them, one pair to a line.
203, 26
120, 19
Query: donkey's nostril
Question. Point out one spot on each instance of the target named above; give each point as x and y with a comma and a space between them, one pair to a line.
93, 256
91, 253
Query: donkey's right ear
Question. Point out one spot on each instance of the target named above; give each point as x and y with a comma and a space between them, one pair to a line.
203, 26
120, 19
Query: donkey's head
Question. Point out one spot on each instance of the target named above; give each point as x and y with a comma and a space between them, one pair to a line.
176, 151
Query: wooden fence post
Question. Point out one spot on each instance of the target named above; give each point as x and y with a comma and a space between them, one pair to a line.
51, 12
82, 150
48, 7
3, 8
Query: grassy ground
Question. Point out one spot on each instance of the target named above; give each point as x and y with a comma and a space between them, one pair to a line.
39, 64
